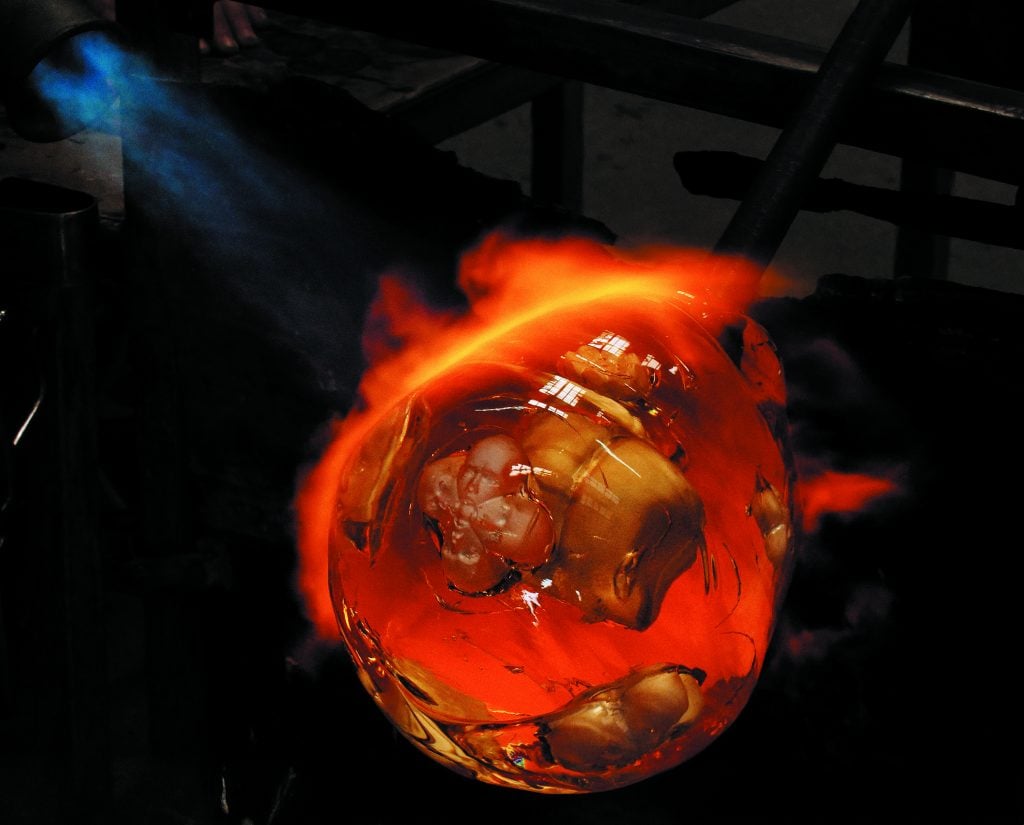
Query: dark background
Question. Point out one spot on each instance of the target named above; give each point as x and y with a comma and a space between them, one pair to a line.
168, 678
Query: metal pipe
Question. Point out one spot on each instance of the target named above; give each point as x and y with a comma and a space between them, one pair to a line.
773, 201
972, 127
728, 175
39, 37
49, 235
32, 28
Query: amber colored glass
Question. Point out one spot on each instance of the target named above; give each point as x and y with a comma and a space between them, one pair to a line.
557, 565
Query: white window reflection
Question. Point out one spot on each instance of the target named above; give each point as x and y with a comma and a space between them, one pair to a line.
611, 343
564, 390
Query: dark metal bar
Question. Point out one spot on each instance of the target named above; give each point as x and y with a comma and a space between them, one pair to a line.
766, 213
557, 146
728, 175
972, 127
688, 8
484, 91
919, 252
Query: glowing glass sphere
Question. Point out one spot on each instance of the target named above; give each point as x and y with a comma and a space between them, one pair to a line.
557, 563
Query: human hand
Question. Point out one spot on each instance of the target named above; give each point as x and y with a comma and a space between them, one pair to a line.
234, 24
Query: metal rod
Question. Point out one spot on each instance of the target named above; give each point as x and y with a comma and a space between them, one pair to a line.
766, 213
557, 146
729, 175
972, 127
919, 253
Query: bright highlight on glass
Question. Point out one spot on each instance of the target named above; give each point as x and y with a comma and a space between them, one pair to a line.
556, 552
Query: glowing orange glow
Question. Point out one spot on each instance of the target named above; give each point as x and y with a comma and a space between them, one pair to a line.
566, 511
315, 507
509, 283
832, 491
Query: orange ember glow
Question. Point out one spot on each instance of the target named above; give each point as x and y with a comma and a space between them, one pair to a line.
835, 492
555, 530
509, 283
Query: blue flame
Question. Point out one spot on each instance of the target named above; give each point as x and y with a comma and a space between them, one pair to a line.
279, 241
181, 148
78, 79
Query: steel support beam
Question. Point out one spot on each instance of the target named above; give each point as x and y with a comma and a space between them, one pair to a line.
970, 127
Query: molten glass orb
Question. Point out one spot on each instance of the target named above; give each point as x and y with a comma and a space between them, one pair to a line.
557, 562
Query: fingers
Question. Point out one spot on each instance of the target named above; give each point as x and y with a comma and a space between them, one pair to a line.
240, 22
234, 26
223, 34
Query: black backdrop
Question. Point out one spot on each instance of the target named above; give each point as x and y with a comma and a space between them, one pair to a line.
890, 694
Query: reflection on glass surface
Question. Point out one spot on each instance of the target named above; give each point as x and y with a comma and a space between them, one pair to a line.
557, 563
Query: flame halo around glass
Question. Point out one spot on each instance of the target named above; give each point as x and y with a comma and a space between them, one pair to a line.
557, 564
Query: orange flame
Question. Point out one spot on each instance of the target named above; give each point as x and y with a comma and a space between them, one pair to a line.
831, 491
509, 282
